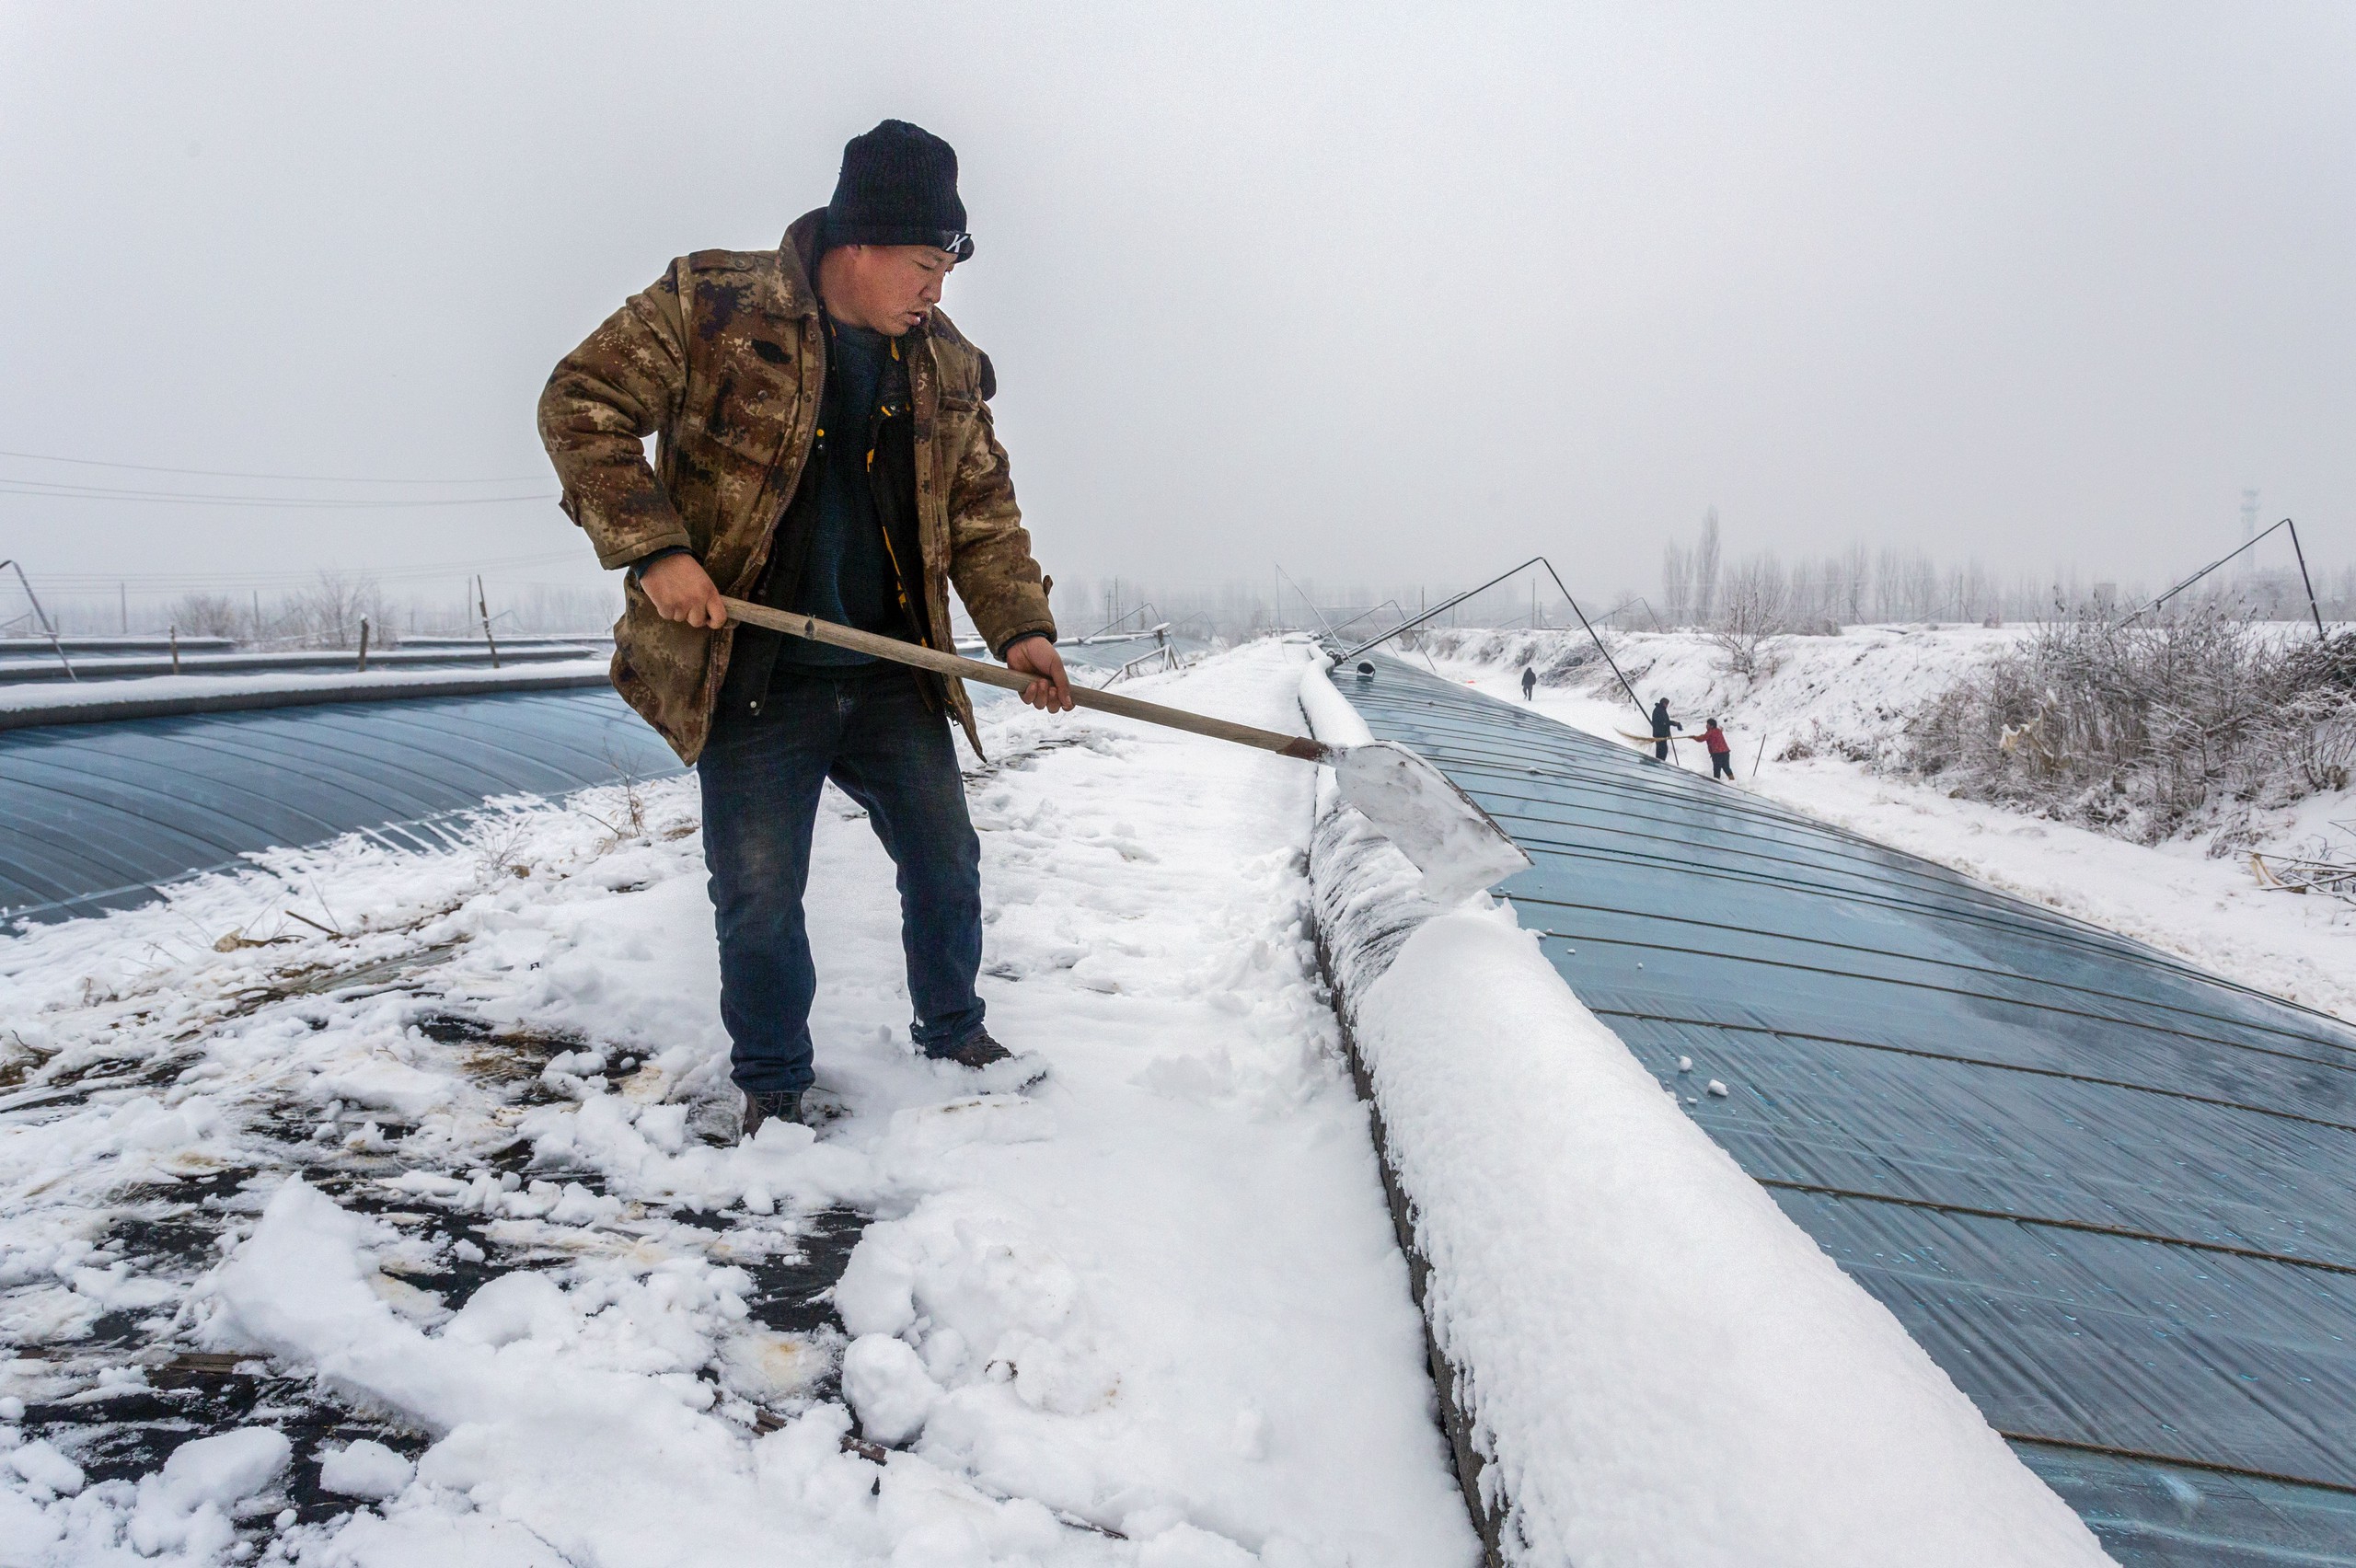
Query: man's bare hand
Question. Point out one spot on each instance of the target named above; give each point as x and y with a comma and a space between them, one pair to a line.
683, 591
1051, 693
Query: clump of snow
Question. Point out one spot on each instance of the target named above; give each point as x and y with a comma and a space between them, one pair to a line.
1655, 1365
888, 1388
1415, 805
365, 1468
42, 1465
225, 1469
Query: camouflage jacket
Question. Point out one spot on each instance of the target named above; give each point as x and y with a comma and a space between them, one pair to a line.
723, 358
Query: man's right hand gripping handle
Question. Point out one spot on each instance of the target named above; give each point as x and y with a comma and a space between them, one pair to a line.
681, 590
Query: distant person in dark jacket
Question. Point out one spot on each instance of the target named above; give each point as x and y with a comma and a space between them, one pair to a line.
1528, 682
1721, 750
1662, 725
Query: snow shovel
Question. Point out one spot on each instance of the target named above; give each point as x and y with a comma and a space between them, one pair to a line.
1434, 823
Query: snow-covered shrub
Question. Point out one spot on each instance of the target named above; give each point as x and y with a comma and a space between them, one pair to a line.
2144, 729
207, 614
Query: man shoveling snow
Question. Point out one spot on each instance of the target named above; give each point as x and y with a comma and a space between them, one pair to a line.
825, 447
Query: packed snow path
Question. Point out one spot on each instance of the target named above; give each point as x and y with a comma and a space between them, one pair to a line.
2105, 1191
405, 1175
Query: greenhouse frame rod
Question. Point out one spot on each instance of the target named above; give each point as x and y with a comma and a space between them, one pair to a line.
1450, 603
2313, 608
1286, 578
30, 598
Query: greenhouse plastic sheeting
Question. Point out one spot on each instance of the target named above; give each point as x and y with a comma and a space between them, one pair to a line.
93, 816
2108, 1193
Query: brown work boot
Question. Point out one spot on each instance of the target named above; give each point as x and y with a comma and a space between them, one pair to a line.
779, 1105
979, 1051
994, 1067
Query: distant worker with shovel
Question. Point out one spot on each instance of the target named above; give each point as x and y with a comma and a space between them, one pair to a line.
826, 448
1662, 725
1721, 750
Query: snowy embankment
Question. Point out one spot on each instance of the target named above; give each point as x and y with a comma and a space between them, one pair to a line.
1801, 732
1650, 1363
441, 1198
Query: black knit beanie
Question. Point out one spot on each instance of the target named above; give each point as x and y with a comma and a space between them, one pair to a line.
898, 187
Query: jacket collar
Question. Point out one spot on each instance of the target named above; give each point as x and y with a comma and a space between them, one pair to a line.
794, 279
792, 283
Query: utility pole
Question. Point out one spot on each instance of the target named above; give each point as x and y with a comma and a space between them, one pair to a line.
123, 603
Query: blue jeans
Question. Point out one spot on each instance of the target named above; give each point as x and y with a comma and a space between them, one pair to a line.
869, 730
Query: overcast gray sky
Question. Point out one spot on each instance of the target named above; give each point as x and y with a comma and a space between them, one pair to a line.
1382, 293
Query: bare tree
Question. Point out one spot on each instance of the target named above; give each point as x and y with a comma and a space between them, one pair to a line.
330, 611
207, 614
1705, 568
1676, 582
1756, 607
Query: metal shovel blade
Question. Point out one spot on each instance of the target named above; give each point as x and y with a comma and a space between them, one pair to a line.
1453, 841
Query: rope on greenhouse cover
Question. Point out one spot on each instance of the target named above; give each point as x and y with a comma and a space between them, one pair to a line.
1925, 1053
2089, 1226
2149, 1457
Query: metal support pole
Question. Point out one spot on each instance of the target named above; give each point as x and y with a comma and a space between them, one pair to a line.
176, 647
482, 604
2313, 608
363, 644
1448, 604
47, 627
2245, 543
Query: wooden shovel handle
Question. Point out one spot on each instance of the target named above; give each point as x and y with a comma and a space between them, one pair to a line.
941, 664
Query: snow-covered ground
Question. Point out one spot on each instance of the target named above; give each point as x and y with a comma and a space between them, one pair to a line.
407, 1177
1837, 696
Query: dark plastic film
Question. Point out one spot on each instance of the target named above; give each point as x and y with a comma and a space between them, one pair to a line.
93, 816
2108, 1193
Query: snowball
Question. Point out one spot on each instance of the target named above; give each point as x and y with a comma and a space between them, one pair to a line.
1684, 1064
888, 1387
224, 1469
1716, 1088
44, 1466
365, 1470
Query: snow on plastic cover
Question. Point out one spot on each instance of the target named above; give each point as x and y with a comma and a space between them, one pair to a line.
93, 816
2106, 1192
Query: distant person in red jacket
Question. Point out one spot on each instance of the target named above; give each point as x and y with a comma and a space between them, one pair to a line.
1721, 750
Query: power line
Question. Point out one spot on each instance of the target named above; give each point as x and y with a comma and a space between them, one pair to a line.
241, 474
79, 581
50, 491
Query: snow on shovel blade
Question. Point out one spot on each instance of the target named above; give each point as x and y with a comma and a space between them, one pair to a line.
1453, 842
